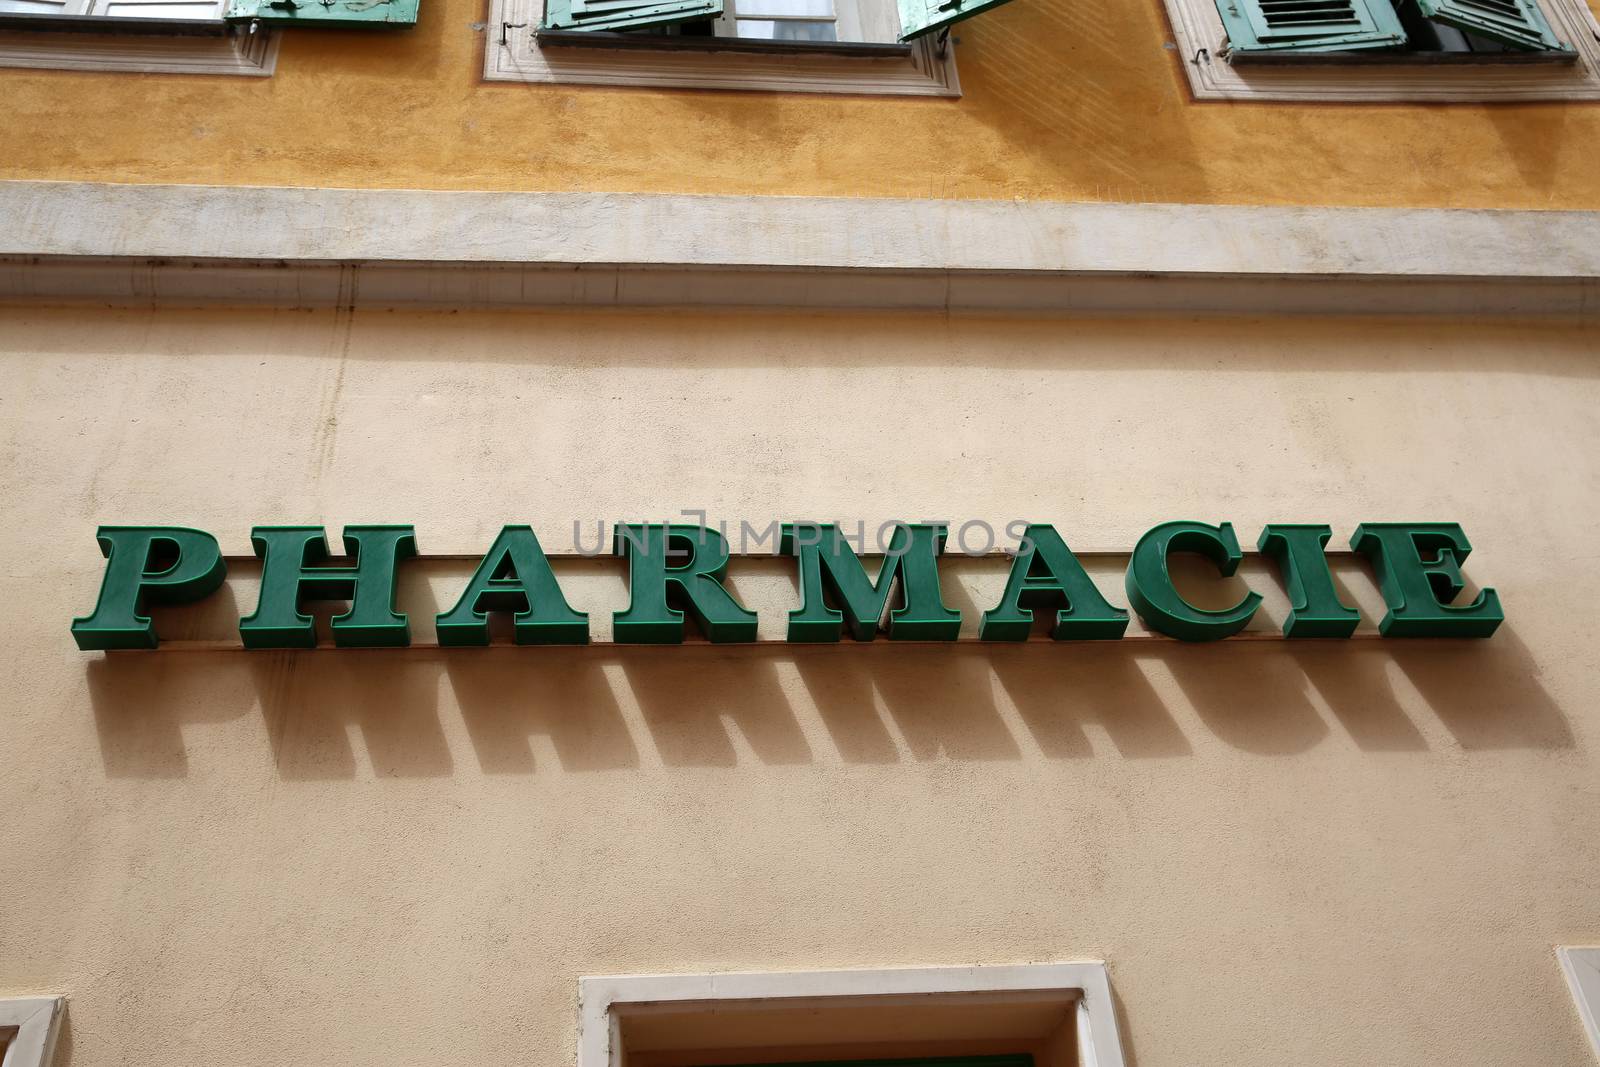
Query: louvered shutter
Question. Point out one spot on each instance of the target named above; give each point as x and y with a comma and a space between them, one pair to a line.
1310, 25
1518, 23
626, 14
326, 14
920, 17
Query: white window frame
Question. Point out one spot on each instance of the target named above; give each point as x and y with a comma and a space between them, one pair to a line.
1582, 968
603, 1001
513, 55
252, 53
38, 1021
1199, 35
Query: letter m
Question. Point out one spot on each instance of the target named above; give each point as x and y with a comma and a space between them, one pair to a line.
829, 569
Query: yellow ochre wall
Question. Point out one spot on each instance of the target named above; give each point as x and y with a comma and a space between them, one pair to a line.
1065, 100
1356, 853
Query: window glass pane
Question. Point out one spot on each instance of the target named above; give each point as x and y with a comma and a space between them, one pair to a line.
809, 9
39, 7
869, 20
158, 9
787, 30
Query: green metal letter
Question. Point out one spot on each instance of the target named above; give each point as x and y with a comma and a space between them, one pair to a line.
147, 565
1045, 575
659, 588
514, 576
1315, 609
1153, 596
827, 563
1419, 571
294, 567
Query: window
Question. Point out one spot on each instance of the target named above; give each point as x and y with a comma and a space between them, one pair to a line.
155, 10
800, 20
1272, 28
1020, 1059
1037, 1015
807, 21
1382, 50
188, 14
836, 46
843, 27
177, 37
28, 1029
172, 36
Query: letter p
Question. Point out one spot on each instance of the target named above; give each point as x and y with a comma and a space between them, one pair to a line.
147, 565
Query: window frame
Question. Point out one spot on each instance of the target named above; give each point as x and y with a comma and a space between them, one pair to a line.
603, 1001
1199, 37
88, 17
37, 1021
137, 46
512, 54
1581, 965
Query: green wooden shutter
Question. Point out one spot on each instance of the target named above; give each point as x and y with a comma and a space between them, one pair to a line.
1518, 23
625, 14
325, 14
919, 17
1310, 25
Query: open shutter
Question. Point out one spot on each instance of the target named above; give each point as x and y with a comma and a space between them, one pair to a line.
1518, 23
1310, 25
919, 17
325, 14
626, 14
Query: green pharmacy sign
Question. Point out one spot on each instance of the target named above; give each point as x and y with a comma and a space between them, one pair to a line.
676, 571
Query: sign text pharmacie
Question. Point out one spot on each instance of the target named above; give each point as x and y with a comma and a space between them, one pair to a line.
675, 573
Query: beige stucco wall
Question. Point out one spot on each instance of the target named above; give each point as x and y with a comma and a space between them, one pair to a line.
1355, 854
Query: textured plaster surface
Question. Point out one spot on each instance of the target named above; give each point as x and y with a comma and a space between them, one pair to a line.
1327, 854
1063, 101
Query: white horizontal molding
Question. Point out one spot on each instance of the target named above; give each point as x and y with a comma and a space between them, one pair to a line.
642, 229
314, 246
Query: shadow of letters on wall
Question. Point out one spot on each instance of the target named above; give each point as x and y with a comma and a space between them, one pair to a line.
993, 672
